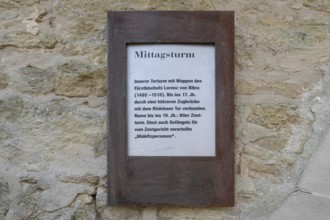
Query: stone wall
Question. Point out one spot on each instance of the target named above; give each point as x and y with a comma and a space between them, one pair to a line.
53, 114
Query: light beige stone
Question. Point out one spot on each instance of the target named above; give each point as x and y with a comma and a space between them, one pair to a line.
86, 178
319, 5
149, 214
53, 109
114, 213
79, 79
288, 89
274, 116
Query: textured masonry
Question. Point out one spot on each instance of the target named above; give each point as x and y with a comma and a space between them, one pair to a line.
53, 110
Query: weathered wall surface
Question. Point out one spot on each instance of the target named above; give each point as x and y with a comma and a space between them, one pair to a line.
53, 110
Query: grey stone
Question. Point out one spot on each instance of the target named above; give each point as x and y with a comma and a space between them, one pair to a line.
25, 204
100, 147
36, 81
57, 197
316, 177
101, 198
11, 108
84, 208
303, 206
4, 200
61, 214
4, 78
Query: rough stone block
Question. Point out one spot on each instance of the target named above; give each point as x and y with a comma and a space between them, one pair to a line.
316, 177
320, 5
274, 116
4, 200
11, 108
3, 79
36, 81
79, 79
303, 206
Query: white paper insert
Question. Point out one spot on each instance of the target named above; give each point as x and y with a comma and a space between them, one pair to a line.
171, 100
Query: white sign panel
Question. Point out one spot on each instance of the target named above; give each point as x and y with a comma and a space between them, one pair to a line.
171, 100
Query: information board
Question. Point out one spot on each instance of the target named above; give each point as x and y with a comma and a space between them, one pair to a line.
171, 108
